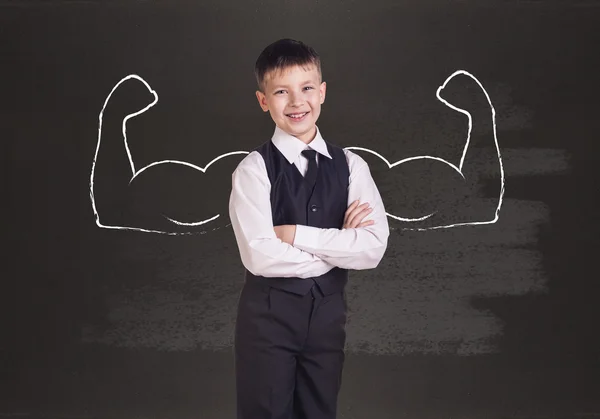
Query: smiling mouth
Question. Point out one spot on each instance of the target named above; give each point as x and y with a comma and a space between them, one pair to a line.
297, 115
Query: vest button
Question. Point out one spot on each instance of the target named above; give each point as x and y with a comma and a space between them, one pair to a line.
314, 208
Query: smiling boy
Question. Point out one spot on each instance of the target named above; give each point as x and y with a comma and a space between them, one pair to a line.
299, 209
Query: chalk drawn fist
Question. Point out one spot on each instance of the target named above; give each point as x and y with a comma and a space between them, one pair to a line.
428, 192
167, 196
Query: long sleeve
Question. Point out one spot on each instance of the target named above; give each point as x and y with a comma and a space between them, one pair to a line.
353, 248
262, 253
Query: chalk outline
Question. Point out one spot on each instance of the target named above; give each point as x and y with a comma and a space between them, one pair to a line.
462, 159
203, 169
136, 173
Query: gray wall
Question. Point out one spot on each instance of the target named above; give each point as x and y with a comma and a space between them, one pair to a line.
495, 318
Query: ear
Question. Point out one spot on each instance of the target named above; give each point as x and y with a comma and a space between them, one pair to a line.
262, 100
322, 90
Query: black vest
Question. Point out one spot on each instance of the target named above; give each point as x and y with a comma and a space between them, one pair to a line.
293, 203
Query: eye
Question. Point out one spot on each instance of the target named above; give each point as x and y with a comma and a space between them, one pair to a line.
309, 87
279, 91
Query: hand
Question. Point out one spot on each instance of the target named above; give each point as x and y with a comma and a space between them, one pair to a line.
355, 214
286, 233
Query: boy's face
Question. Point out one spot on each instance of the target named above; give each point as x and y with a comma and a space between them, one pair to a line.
293, 97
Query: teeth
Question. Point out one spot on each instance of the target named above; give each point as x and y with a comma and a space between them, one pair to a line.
298, 115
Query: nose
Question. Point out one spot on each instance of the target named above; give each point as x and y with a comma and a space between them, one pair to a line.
295, 100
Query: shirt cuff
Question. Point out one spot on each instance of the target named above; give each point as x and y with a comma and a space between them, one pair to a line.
306, 238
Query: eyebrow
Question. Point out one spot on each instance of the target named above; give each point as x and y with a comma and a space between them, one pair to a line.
278, 86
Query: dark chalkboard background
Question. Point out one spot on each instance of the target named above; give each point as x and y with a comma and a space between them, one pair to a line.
496, 320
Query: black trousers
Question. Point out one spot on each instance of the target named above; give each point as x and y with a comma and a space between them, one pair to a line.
289, 353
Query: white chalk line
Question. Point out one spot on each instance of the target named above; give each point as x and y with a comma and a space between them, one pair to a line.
136, 173
458, 168
462, 159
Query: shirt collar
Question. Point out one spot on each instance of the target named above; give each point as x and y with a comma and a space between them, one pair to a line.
291, 146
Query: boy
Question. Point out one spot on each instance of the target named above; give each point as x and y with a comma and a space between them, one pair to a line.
298, 237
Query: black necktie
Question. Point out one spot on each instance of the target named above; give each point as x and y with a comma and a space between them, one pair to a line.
311, 173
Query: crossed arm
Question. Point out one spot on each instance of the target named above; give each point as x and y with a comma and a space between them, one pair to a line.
353, 218
299, 250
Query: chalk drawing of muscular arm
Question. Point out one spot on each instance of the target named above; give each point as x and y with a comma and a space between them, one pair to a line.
119, 105
202, 225
452, 167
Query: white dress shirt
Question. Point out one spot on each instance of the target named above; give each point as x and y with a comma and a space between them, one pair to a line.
315, 251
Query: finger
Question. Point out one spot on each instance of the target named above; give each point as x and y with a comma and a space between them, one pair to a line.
361, 216
350, 209
356, 211
359, 219
353, 209
366, 223
363, 224
358, 215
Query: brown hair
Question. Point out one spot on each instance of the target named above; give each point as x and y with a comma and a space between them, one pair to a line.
283, 54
